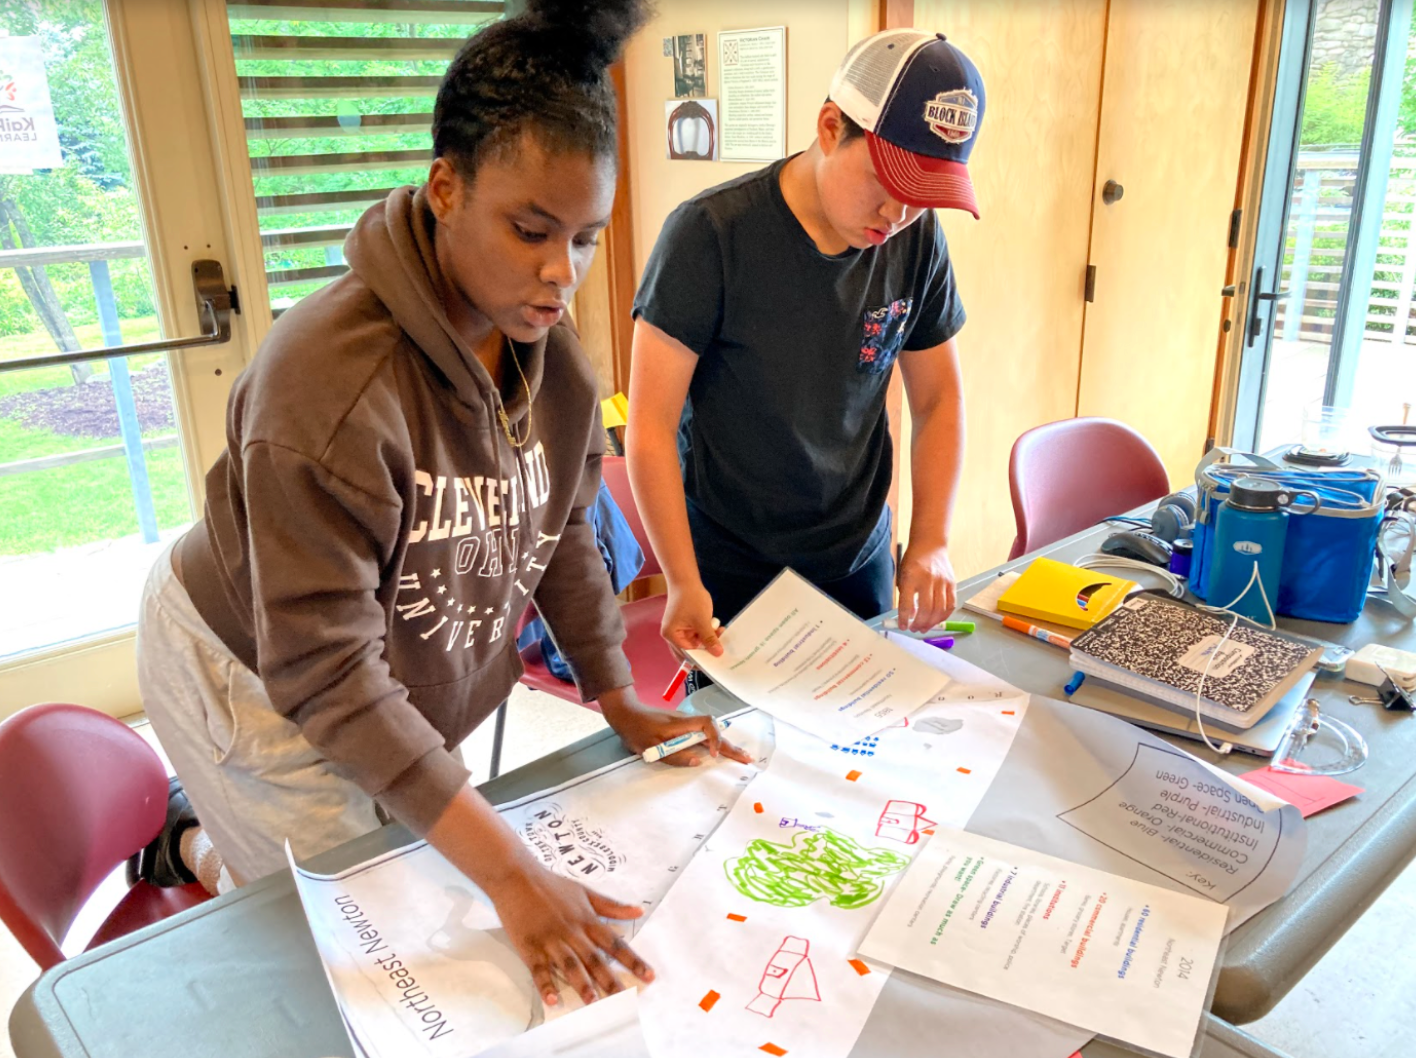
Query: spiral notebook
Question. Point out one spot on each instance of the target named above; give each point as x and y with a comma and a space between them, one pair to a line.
1159, 649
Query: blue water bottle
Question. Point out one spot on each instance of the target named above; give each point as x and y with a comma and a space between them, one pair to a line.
1250, 529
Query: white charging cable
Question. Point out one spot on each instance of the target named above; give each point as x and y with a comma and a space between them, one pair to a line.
1104, 561
1254, 578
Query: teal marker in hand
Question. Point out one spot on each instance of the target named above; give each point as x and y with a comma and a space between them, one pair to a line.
673, 745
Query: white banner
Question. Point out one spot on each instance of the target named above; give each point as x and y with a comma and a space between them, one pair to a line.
29, 135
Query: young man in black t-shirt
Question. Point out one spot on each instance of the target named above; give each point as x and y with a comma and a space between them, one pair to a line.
770, 316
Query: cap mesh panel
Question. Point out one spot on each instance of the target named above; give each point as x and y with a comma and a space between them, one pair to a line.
871, 64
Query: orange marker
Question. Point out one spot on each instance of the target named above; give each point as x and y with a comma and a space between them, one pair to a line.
1050, 638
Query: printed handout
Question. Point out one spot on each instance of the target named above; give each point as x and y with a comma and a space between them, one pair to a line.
797, 654
1122, 958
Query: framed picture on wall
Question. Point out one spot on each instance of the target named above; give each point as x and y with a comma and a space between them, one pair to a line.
752, 86
690, 65
691, 126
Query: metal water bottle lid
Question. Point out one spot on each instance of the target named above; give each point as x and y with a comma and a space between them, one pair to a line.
1258, 494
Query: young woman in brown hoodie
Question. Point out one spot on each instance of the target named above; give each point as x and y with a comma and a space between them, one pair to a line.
410, 461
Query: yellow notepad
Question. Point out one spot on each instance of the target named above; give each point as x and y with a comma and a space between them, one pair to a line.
1063, 594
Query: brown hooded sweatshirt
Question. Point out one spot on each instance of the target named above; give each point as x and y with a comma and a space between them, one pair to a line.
371, 536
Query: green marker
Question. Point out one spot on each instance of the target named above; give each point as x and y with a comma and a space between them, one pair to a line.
964, 627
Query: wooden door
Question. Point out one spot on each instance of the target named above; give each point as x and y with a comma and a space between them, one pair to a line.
1021, 267
1172, 123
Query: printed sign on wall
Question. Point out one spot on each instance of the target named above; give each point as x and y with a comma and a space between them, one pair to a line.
29, 135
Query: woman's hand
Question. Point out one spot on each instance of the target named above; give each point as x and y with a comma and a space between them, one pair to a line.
641, 727
555, 926
553, 923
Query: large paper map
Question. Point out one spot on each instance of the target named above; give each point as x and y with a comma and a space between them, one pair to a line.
762, 881
415, 952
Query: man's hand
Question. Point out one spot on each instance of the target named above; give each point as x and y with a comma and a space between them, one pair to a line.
554, 925
688, 621
641, 727
926, 582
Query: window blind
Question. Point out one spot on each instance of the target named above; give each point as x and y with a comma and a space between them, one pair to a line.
337, 97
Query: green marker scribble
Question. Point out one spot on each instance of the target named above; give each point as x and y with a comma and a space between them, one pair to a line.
815, 865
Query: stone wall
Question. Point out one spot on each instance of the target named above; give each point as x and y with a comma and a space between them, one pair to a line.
1345, 35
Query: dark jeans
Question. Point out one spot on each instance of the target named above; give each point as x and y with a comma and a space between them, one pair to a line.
867, 593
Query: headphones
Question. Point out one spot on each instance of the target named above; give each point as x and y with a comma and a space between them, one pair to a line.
1174, 517
1173, 520
1396, 543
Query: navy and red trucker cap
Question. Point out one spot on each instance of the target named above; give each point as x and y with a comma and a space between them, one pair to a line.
920, 101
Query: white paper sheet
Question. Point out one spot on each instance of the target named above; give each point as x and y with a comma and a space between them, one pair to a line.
407, 936
1118, 957
755, 946
797, 654
608, 1028
1093, 789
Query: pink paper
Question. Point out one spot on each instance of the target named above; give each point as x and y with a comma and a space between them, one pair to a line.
1307, 793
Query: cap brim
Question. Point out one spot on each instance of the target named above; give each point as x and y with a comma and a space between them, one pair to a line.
918, 180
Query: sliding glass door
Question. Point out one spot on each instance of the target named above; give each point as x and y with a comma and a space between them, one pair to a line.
1329, 321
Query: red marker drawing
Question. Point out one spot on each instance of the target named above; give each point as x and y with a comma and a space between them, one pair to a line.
788, 976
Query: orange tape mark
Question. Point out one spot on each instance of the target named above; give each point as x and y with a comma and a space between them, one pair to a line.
930, 831
965, 771
772, 1048
737, 918
859, 966
757, 807
852, 776
708, 1001
1009, 712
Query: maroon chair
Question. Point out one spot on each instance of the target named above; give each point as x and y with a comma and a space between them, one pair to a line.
79, 793
650, 659
1068, 475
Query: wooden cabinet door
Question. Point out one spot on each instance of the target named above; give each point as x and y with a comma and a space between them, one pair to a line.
1172, 120
1021, 267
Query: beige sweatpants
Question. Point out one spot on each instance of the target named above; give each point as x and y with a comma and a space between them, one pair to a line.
250, 774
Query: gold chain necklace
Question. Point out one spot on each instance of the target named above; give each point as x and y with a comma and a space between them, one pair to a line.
530, 414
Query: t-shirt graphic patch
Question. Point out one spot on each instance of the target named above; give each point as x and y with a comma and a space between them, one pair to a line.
882, 336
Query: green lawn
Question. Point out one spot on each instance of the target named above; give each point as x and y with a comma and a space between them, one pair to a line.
15, 346
84, 502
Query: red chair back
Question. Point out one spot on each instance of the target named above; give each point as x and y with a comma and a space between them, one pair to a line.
616, 474
1068, 475
79, 793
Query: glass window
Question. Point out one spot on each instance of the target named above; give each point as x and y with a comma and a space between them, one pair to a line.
1320, 234
91, 474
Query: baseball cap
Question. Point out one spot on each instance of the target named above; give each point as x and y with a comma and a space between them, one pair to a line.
920, 101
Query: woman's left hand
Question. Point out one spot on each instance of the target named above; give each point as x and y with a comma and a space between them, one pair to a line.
641, 727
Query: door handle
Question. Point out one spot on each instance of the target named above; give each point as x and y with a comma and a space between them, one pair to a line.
1256, 300
215, 304
1111, 192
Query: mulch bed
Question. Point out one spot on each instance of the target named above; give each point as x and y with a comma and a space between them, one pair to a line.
88, 410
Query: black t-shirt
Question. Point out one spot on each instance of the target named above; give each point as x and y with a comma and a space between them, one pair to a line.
784, 439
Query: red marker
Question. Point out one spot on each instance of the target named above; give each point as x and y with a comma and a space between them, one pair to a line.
677, 681
683, 671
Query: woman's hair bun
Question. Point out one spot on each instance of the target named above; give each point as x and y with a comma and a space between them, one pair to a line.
600, 27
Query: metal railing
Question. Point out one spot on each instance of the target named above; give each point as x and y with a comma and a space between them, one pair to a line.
215, 302
1321, 204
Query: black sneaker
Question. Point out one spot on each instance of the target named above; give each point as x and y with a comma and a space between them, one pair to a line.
160, 863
